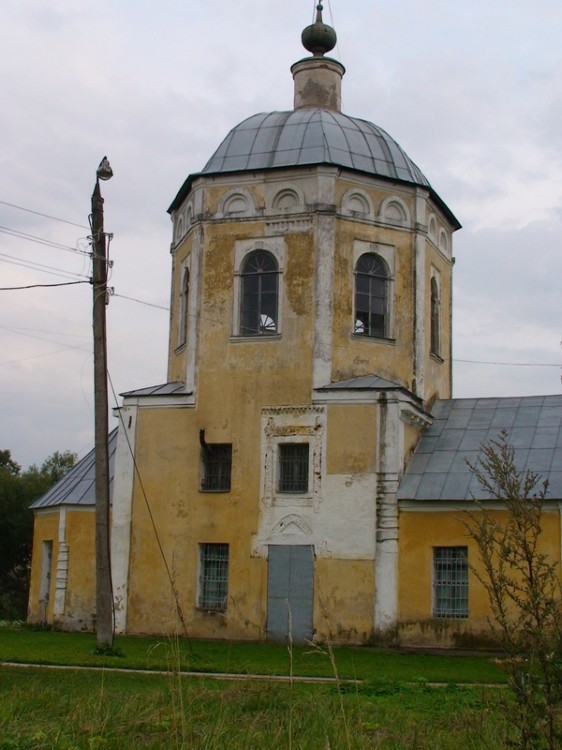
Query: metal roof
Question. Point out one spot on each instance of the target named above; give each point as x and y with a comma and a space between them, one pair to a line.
77, 487
312, 136
438, 470
364, 382
164, 389
307, 137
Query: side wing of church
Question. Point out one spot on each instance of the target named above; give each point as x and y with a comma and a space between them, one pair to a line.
260, 491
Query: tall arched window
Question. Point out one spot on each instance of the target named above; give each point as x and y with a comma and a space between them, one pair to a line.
259, 300
184, 299
435, 334
371, 292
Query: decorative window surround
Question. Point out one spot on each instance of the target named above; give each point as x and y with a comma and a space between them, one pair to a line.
275, 246
388, 254
292, 424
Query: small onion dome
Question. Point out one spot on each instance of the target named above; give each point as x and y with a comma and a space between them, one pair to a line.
319, 38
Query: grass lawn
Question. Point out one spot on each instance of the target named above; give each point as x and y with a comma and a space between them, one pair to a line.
369, 664
393, 708
45, 710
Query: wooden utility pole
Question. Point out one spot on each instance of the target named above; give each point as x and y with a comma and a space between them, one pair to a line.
104, 595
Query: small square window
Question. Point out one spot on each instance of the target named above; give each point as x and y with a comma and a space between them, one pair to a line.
293, 468
217, 465
213, 577
450, 582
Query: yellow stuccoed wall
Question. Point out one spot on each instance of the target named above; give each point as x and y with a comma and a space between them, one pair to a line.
343, 600
81, 586
420, 532
352, 430
79, 598
45, 529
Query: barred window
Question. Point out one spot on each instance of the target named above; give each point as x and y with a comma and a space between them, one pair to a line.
217, 466
450, 582
213, 576
293, 468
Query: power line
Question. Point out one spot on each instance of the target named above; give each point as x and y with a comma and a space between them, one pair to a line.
18, 329
46, 354
42, 286
45, 216
140, 301
41, 240
34, 266
507, 364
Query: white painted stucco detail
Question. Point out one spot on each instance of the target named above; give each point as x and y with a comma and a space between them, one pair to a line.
193, 307
121, 513
323, 301
338, 514
61, 579
390, 446
420, 308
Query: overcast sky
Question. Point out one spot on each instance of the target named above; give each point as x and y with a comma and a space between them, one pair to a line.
472, 90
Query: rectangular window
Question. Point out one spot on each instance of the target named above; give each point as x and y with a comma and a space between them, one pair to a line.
450, 582
217, 465
293, 468
213, 576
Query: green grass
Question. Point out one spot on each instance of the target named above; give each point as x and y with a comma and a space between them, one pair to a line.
43, 710
46, 647
392, 708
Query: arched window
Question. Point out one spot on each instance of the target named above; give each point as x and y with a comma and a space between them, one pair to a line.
259, 295
184, 298
435, 337
371, 292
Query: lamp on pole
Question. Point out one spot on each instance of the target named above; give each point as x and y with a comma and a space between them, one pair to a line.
104, 596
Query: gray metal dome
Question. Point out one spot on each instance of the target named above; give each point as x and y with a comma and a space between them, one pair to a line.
312, 136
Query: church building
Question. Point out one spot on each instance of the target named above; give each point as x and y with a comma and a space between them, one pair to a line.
302, 471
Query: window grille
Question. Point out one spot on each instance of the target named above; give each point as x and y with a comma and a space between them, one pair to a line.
217, 466
213, 579
259, 295
293, 468
371, 284
450, 582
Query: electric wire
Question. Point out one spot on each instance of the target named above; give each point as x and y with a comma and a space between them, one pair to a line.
41, 240
41, 267
140, 301
507, 364
40, 286
45, 216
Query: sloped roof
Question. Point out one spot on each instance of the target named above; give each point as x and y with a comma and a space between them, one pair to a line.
77, 487
363, 382
438, 470
164, 389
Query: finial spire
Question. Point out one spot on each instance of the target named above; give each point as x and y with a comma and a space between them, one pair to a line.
319, 38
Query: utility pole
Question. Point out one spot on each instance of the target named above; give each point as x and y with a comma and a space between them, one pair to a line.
104, 595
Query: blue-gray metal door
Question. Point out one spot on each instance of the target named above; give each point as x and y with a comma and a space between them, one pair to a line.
290, 589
